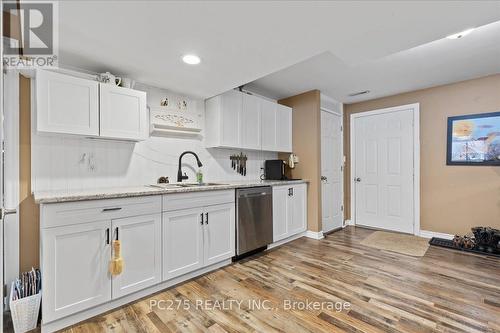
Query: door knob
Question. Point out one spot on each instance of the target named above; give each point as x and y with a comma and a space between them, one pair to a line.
357, 179
323, 178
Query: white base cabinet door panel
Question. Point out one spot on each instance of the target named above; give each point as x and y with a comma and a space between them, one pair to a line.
198, 237
182, 242
289, 211
219, 237
297, 209
123, 113
75, 268
140, 238
280, 213
66, 104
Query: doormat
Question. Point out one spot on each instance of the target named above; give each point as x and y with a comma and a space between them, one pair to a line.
448, 243
400, 243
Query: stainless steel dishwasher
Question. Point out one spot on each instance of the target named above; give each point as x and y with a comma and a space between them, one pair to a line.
254, 213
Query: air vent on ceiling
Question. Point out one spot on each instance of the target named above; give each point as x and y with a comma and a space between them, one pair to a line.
359, 93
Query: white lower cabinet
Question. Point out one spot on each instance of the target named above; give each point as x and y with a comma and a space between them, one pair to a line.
297, 221
75, 268
182, 242
140, 238
289, 210
197, 237
75, 261
219, 233
280, 212
195, 231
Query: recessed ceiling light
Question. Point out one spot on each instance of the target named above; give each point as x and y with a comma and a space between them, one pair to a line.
460, 34
191, 59
359, 93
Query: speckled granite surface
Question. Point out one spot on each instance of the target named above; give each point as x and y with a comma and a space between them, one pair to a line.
46, 197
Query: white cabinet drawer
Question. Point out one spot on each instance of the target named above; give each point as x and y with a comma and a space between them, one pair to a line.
177, 201
68, 213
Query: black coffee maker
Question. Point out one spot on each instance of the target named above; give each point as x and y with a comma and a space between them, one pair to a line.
274, 170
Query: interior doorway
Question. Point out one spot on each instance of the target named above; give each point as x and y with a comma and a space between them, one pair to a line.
332, 170
385, 158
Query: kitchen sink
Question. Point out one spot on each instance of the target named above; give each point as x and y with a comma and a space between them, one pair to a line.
165, 186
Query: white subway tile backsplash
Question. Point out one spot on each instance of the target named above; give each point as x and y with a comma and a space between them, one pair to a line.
75, 163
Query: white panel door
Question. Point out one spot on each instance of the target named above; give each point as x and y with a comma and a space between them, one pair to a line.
383, 170
250, 123
75, 272
219, 233
140, 238
123, 113
280, 212
66, 104
231, 108
182, 242
284, 128
297, 208
331, 170
268, 125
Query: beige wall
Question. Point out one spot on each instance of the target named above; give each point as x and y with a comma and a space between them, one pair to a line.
453, 198
28, 210
307, 145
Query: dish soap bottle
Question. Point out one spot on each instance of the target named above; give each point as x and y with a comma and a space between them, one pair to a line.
199, 176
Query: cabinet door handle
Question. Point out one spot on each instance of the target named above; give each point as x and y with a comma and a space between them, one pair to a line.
107, 236
201, 218
116, 231
111, 209
206, 218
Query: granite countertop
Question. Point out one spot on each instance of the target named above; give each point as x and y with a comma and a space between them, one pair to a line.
45, 197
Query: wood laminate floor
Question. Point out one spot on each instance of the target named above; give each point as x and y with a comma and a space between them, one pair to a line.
445, 291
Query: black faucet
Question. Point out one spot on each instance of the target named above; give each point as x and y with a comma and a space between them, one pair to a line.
180, 176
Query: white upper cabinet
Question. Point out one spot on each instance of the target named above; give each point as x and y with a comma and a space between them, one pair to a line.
284, 128
268, 125
239, 120
70, 105
222, 120
250, 123
66, 104
123, 113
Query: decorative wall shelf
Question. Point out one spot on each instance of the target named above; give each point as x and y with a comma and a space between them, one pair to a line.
170, 122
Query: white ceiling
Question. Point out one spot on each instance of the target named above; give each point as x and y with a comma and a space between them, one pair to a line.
338, 47
428, 65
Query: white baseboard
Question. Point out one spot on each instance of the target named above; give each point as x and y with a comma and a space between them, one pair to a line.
286, 240
314, 235
430, 234
348, 222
